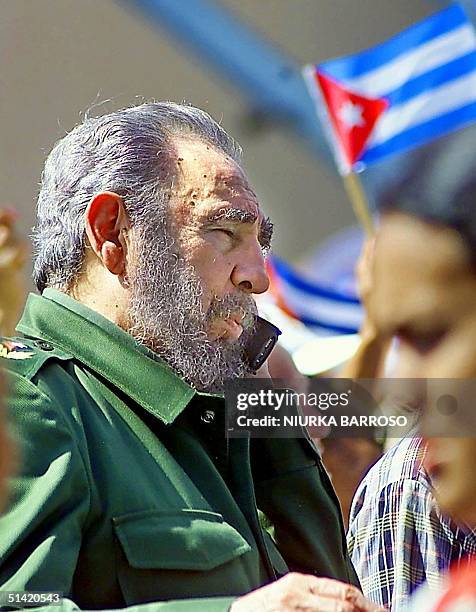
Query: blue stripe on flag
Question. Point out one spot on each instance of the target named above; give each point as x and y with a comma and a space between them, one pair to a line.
432, 79
290, 276
445, 21
338, 329
422, 133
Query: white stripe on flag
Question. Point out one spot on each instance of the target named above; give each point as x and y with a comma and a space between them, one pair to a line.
415, 62
328, 311
430, 104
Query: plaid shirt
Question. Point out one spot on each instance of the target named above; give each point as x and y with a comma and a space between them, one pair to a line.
398, 538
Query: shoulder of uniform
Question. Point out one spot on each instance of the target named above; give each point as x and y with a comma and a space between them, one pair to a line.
27, 355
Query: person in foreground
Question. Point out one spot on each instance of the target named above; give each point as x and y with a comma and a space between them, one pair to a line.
149, 245
399, 537
423, 492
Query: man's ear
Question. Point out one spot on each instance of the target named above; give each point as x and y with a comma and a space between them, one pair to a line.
106, 223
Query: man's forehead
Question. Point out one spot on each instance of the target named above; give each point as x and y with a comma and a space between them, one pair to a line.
206, 174
198, 159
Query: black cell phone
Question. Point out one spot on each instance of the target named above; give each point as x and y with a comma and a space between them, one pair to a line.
261, 343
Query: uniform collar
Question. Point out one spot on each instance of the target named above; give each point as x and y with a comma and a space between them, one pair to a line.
108, 350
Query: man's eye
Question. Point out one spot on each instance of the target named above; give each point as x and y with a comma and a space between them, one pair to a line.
226, 232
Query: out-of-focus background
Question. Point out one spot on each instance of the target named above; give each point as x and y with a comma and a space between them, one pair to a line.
59, 58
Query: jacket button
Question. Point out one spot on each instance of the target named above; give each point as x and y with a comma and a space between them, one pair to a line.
207, 416
45, 346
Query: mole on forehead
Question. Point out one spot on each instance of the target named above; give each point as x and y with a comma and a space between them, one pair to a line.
229, 180
224, 183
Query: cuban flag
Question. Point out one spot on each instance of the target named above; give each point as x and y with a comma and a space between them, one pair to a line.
323, 309
401, 94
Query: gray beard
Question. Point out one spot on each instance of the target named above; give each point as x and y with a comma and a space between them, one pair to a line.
167, 316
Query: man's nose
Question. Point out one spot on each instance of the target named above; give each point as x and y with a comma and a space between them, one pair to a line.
249, 273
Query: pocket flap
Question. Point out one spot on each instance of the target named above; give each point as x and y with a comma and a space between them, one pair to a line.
185, 539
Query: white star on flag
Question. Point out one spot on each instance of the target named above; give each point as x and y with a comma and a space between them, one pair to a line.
351, 115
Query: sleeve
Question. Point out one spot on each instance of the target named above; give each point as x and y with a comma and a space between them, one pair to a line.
397, 540
295, 493
41, 529
40, 533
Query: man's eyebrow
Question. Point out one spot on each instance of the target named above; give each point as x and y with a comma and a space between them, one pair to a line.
235, 215
266, 233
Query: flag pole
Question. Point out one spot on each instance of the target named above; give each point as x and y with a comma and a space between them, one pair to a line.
357, 196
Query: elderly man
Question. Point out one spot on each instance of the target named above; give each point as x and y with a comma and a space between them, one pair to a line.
149, 244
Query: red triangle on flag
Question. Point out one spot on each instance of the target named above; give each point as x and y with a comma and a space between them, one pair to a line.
353, 116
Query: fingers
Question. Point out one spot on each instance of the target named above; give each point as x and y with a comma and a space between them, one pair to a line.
333, 588
364, 269
303, 593
327, 595
318, 603
5, 233
8, 216
7, 220
13, 250
342, 593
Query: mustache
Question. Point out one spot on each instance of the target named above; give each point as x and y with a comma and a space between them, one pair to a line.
231, 305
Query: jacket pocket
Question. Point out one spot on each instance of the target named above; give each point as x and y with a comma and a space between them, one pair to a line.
180, 554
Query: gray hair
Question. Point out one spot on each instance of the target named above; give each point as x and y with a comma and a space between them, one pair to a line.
127, 152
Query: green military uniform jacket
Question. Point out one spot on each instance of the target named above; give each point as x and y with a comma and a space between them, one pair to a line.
128, 491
